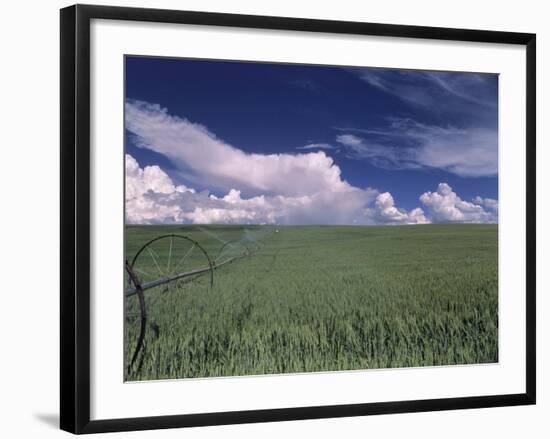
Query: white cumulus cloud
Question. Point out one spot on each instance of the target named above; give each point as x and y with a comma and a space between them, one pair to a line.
445, 205
209, 160
490, 204
152, 197
384, 211
304, 188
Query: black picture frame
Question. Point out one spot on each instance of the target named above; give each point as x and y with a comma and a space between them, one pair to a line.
75, 217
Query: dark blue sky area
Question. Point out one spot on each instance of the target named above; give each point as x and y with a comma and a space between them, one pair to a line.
393, 130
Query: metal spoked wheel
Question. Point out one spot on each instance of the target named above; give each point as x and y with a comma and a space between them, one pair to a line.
168, 256
161, 265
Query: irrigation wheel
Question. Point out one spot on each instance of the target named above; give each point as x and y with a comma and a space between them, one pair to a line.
161, 265
232, 249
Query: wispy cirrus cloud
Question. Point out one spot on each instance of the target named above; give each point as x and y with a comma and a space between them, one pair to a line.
465, 144
408, 144
317, 146
379, 154
429, 88
307, 84
469, 87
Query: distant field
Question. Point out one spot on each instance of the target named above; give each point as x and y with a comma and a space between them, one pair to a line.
323, 298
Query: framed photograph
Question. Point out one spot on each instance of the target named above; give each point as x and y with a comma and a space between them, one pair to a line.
268, 218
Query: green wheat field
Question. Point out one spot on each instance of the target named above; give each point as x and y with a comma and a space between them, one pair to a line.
318, 298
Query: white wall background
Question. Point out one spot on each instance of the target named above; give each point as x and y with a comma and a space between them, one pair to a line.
29, 206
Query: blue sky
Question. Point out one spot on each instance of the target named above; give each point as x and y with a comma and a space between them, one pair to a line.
384, 146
